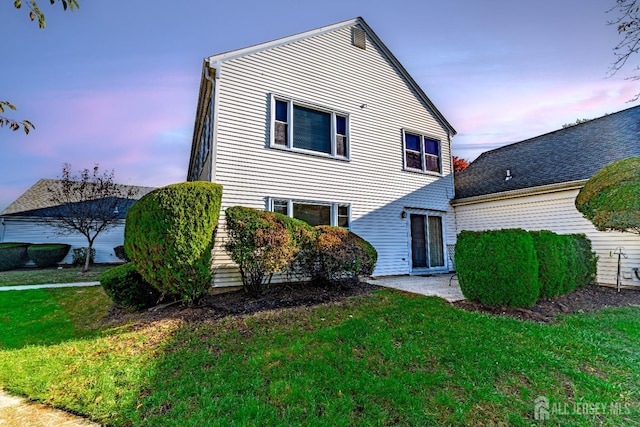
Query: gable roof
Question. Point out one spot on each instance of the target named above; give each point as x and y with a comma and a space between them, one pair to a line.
215, 60
36, 200
566, 155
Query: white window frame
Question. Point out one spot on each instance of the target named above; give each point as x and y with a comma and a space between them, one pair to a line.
289, 146
333, 205
423, 154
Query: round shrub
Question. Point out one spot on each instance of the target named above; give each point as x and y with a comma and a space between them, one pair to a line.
126, 287
498, 267
13, 255
261, 243
47, 254
609, 199
169, 235
339, 254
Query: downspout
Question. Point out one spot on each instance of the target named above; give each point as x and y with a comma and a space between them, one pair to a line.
2, 230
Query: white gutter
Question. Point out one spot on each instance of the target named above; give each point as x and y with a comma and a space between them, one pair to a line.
213, 111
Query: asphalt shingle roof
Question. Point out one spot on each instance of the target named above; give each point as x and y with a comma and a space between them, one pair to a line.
36, 200
570, 154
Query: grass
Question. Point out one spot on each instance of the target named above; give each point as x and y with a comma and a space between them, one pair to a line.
383, 359
50, 316
39, 276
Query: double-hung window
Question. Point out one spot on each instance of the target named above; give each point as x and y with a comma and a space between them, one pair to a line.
314, 213
302, 127
421, 153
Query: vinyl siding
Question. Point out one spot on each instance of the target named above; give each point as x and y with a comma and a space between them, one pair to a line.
326, 70
555, 212
34, 231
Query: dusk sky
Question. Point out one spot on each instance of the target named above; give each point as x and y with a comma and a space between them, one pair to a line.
116, 82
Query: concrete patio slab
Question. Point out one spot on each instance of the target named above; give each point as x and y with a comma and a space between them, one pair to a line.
445, 286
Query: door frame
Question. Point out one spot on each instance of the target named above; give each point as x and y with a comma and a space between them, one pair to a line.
427, 213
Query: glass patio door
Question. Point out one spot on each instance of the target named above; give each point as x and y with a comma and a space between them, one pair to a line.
427, 244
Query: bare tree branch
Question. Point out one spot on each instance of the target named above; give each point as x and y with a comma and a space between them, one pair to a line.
627, 22
88, 203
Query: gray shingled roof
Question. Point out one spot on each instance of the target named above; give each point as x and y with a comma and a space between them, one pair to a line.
36, 200
570, 154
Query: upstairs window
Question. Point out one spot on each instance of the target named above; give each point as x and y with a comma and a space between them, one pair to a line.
301, 127
314, 213
421, 153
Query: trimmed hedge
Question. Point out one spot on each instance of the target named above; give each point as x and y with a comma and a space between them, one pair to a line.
127, 288
169, 235
47, 254
13, 255
581, 262
498, 267
263, 243
609, 199
339, 254
552, 262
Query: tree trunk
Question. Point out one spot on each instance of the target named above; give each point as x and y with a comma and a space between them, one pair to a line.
87, 259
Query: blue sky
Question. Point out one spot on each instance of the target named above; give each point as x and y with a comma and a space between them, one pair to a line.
116, 83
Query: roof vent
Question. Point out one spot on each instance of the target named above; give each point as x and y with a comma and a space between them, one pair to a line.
359, 37
509, 176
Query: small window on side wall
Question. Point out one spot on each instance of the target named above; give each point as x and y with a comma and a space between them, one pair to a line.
421, 153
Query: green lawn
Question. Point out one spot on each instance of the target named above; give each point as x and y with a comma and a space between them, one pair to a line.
39, 276
384, 359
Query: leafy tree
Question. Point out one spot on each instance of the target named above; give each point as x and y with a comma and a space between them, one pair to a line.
611, 198
459, 164
34, 14
87, 203
627, 22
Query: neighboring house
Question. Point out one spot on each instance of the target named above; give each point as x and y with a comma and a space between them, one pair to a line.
25, 220
327, 126
533, 185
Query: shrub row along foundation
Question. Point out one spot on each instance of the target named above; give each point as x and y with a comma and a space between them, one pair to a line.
513, 267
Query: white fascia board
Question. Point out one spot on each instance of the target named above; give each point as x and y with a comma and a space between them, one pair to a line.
529, 191
226, 56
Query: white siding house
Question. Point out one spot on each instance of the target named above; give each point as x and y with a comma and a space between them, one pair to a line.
25, 220
544, 177
327, 126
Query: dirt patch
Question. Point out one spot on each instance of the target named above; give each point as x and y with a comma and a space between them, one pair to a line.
239, 303
588, 299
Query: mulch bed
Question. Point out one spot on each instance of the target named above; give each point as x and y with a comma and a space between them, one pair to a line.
588, 299
238, 303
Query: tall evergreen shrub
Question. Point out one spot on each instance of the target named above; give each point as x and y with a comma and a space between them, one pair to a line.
169, 235
498, 267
